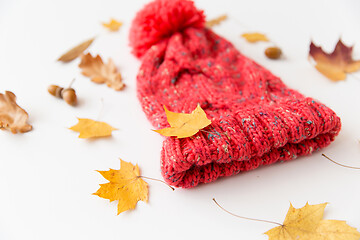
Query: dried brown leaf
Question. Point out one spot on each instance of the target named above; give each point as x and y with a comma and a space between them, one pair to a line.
12, 116
94, 68
75, 51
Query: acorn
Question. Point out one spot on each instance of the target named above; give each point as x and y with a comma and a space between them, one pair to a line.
273, 52
69, 96
55, 90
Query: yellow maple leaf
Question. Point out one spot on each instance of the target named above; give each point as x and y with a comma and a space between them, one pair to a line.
184, 125
255, 37
113, 25
216, 21
125, 185
337, 64
335, 229
306, 224
99, 72
89, 128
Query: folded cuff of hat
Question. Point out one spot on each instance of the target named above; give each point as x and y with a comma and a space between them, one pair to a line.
248, 138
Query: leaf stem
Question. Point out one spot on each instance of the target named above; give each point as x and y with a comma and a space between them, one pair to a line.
342, 165
158, 181
252, 219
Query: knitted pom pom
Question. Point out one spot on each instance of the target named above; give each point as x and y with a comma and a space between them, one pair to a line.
160, 19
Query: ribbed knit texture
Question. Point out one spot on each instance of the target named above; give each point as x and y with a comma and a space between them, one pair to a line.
256, 119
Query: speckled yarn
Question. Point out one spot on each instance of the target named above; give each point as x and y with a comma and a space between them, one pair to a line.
256, 119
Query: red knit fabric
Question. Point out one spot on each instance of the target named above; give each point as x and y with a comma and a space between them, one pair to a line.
256, 119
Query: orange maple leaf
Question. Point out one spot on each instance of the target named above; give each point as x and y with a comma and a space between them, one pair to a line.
337, 64
125, 185
255, 37
184, 125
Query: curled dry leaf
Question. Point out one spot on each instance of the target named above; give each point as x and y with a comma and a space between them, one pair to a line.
184, 125
99, 72
89, 128
308, 223
255, 37
337, 64
125, 185
113, 25
216, 21
76, 51
12, 116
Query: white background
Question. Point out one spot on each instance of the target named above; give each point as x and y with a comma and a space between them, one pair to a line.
47, 175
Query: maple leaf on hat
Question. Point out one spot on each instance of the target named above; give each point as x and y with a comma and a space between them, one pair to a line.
75, 51
184, 125
89, 128
99, 72
12, 116
255, 37
337, 64
125, 185
113, 25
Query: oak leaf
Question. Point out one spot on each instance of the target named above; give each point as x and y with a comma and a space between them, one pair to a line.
125, 185
113, 25
99, 72
75, 51
337, 64
306, 223
184, 125
89, 128
12, 116
216, 21
255, 37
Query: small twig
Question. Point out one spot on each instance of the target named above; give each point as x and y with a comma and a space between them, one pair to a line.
252, 219
158, 181
342, 165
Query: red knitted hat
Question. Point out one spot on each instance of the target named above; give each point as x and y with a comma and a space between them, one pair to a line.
256, 119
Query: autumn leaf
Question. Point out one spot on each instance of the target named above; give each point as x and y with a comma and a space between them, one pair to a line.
184, 125
89, 128
125, 185
76, 51
306, 223
216, 21
337, 64
113, 25
99, 72
12, 116
255, 37
335, 229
